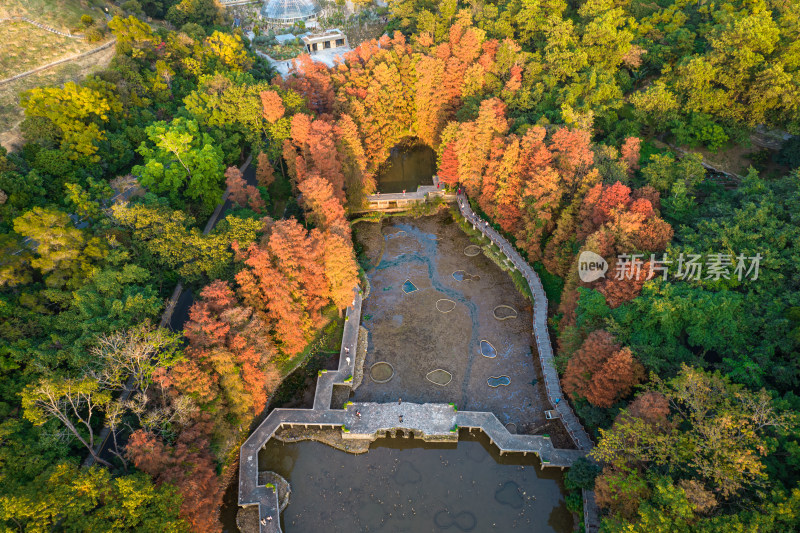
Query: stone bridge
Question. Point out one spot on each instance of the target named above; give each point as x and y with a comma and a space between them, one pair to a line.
402, 201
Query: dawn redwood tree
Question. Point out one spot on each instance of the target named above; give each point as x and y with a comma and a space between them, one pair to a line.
285, 282
241, 193
341, 269
620, 289
573, 153
599, 203
509, 183
448, 169
313, 81
231, 345
651, 406
359, 175
189, 466
630, 153
272, 106
325, 210
615, 378
597, 347
264, 170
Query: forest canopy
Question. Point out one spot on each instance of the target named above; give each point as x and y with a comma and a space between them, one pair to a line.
570, 126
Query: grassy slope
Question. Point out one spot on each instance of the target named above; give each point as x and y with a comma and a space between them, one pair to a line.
10, 112
59, 14
23, 47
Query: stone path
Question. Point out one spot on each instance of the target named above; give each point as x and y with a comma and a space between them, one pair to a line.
571, 423
326, 381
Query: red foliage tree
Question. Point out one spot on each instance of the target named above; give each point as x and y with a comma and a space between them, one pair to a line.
232, 347
615, 379
284, 280
630, 153
654, 235
573, 152
272, 106
265, 288
264, 171
598, 346
649, 193
241, 193
341, 269
651, 406
324, 157
600, 371
618, 291
599, 204
326, 211
312, 79
448, 170
189, 466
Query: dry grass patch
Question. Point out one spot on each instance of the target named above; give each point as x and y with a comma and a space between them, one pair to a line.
24, 46
59, 14
11, 114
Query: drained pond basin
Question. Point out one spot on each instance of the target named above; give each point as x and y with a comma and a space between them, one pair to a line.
408, 485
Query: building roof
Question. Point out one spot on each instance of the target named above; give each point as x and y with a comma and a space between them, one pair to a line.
319, 37
289, 10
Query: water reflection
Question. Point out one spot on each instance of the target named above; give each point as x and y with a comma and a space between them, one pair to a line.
408, 167
406, 485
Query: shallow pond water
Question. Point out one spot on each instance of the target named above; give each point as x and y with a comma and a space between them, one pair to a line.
408, 485
408, 167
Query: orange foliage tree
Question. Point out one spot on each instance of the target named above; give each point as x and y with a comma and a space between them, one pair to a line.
272, 106
189, 466
601, 371
325, 211
241, 193
231, 348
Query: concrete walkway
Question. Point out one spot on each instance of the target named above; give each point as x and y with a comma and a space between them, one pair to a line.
347, 357
571, 423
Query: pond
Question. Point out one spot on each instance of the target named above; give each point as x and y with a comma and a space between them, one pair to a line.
409, 166
408, 485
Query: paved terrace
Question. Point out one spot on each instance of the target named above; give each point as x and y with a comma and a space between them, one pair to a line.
430, 422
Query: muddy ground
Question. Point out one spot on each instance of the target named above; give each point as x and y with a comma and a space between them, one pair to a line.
407, 331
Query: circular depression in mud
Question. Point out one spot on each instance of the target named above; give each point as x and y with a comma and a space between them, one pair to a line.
472, 250
504, 312
443, 305
381, 372
487, 350
439, 376
498, 381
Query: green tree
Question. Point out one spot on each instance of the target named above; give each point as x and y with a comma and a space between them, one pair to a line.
63, 253
74, 499
719, 431
78, 111
75, 402
180, 160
